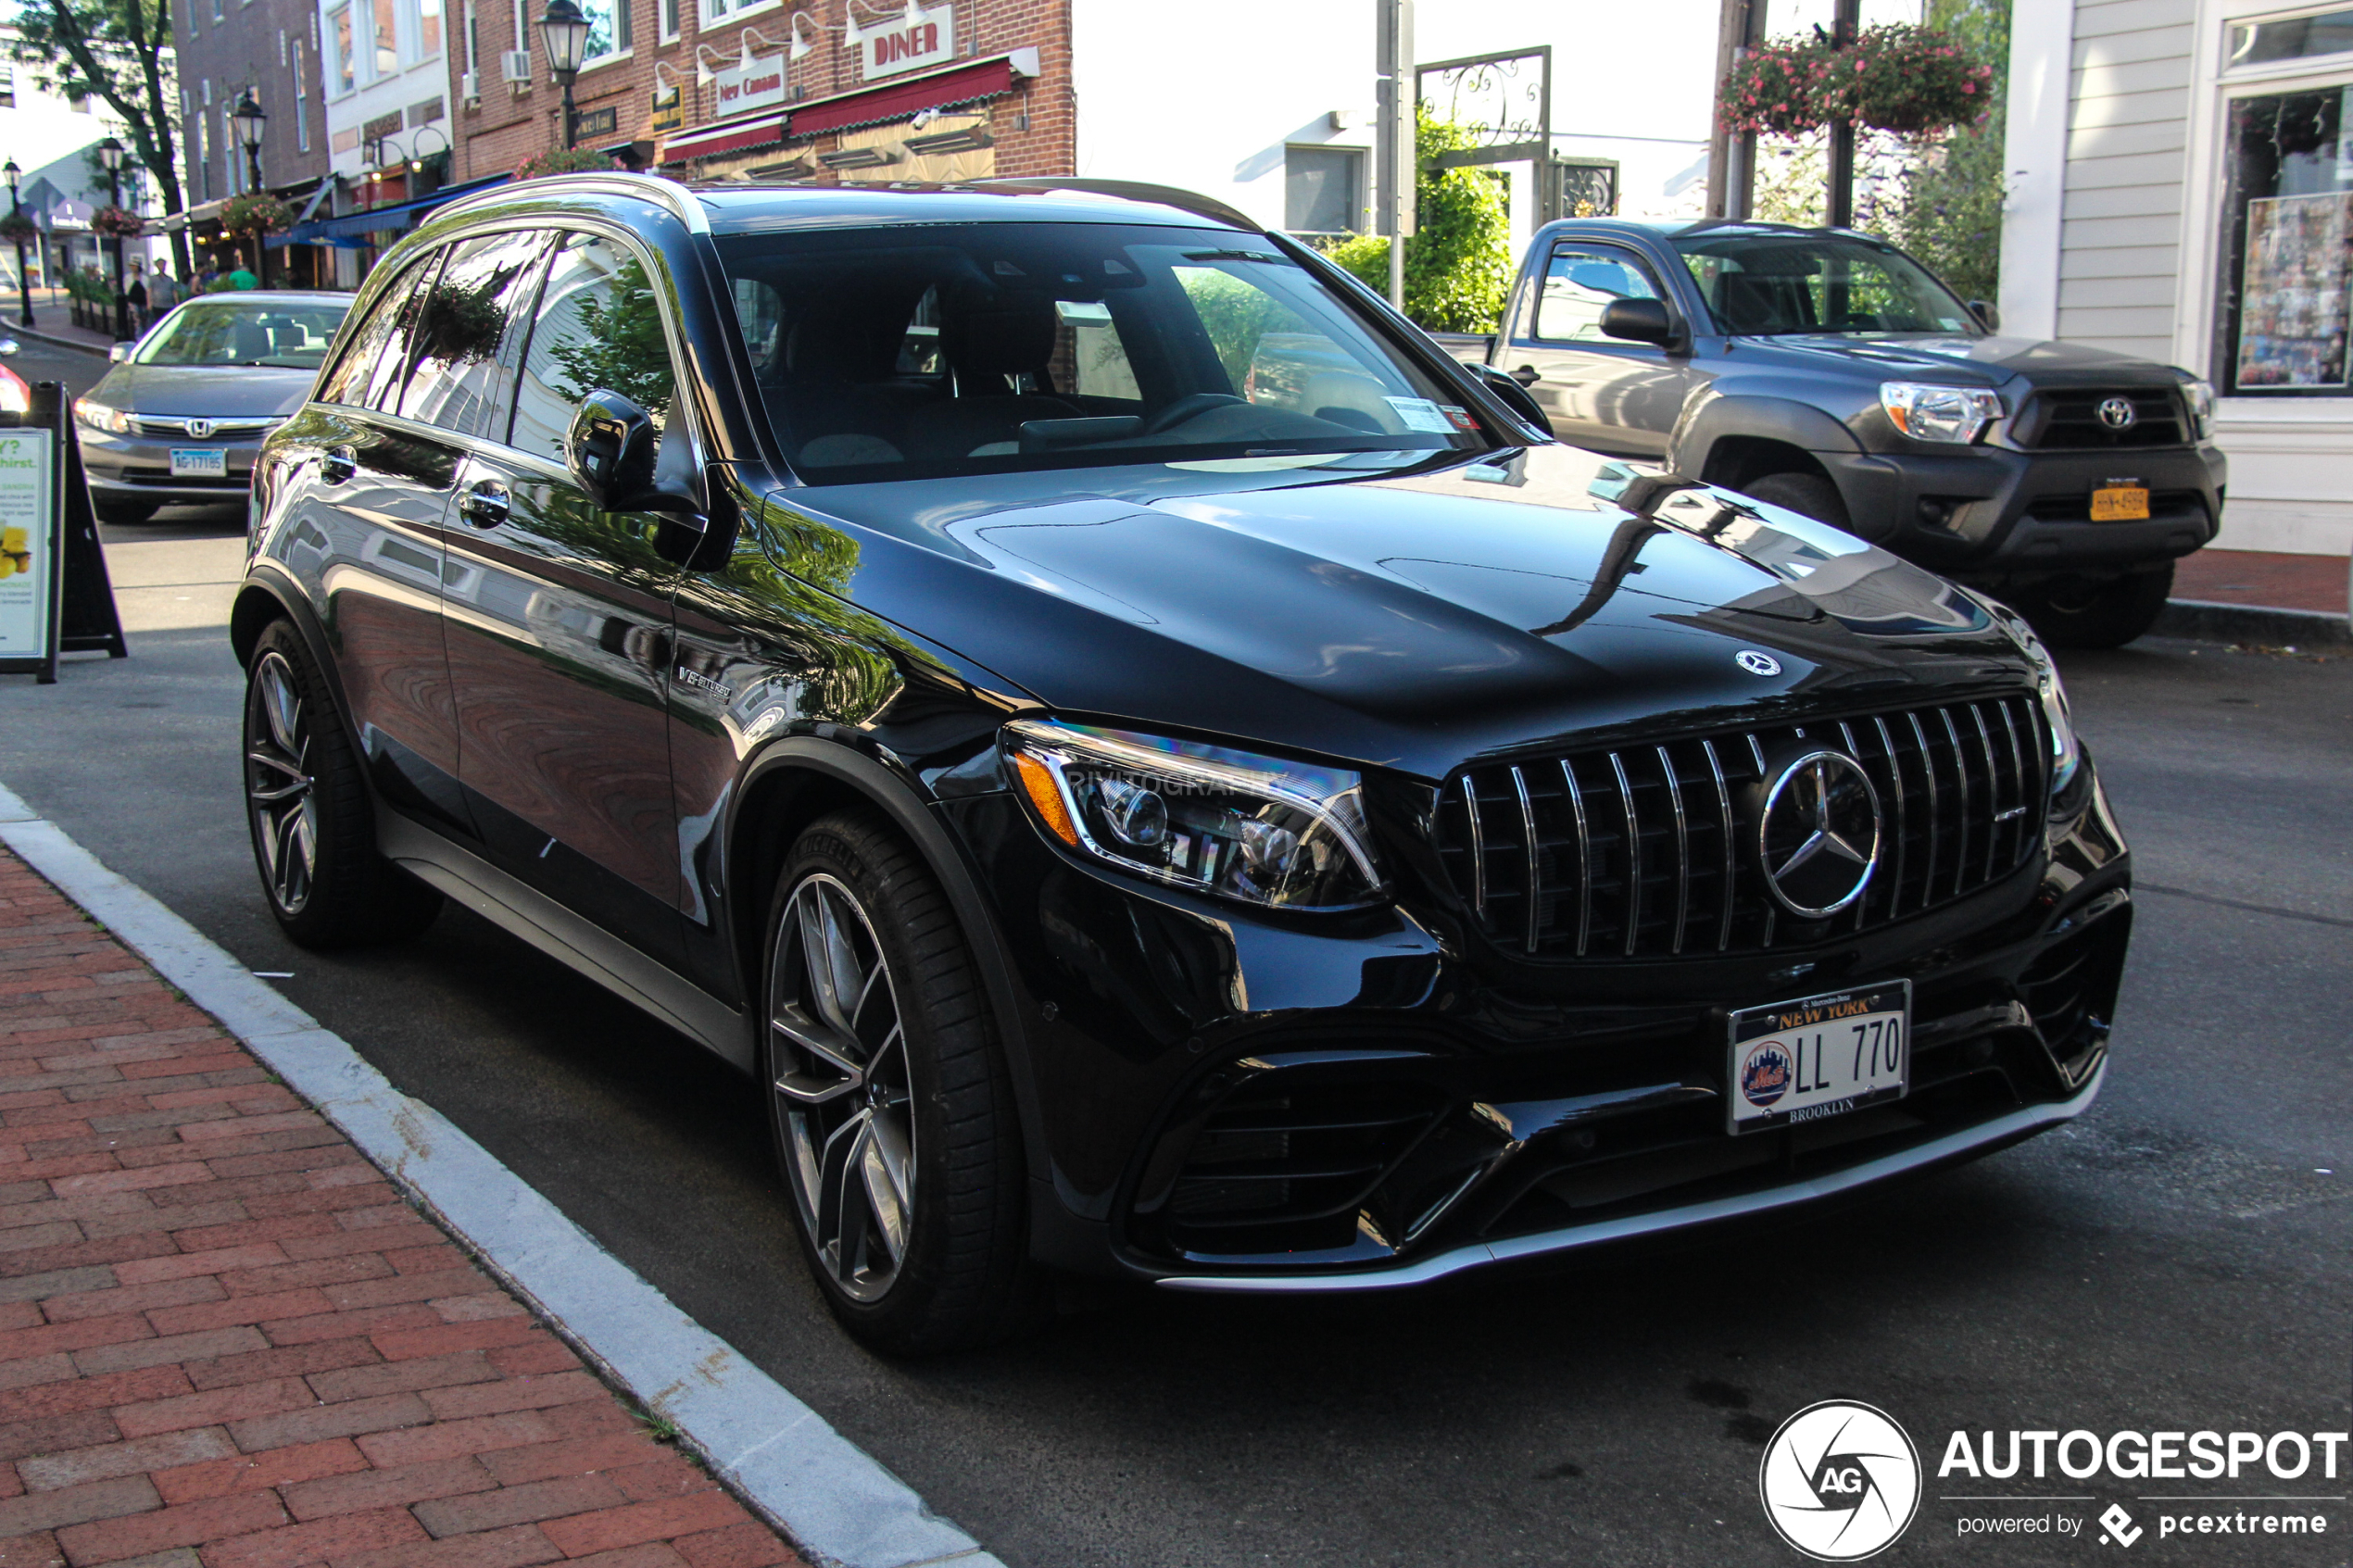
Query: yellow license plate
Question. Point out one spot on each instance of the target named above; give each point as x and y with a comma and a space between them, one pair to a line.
2119, 503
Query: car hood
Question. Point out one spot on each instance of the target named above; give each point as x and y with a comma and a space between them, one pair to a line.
1989, 361
1412, 622
219, 391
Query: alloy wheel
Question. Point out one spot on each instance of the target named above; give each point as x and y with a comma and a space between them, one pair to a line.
837, 1061
279, 791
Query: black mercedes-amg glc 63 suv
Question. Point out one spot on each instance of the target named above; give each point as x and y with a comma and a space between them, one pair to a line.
1151, 768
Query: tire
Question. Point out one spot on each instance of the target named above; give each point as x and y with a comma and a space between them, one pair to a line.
125, 514
309, 809
1808, 493
2096, 612
893, 1117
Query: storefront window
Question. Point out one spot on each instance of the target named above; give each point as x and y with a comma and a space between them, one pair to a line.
341, 23
2288, 260
388, 40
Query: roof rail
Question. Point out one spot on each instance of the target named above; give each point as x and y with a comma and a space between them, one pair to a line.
646, 187
1133, 190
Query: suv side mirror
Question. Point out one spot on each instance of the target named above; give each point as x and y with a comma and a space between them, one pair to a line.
1985, 310
121, 352
1638, 320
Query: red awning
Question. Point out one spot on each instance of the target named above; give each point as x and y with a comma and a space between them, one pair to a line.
735, 136
899, 100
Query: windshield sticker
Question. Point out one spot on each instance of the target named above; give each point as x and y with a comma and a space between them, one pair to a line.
1420, 413
1460, 418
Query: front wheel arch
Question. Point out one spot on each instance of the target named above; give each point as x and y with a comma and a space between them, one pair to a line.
798, 779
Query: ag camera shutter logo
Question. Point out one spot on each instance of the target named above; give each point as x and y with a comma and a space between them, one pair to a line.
1840, 1481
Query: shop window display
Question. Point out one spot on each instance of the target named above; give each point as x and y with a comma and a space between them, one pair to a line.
2288, 268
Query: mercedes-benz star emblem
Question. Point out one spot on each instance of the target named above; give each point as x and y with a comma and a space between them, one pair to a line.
1757, 663
1818, 835
2118, 413
199, 428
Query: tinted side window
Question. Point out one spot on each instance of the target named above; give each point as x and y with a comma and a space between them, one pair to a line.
392, 365
599, 329
453, 357
1580, 282
349, 382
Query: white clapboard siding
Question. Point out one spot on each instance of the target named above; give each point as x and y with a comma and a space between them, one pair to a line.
2128, 111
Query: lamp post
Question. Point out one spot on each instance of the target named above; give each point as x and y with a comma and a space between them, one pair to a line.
564, 33
110, 154
24, 288
251, 122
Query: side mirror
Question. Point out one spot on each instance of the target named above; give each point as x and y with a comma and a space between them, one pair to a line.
121, 352
1513, 395
1985, 310
614, 453
1638, 320
610, 450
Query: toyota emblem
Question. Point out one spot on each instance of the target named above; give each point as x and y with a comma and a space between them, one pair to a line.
1818, 835
1757, 663
199, 428
2118, 413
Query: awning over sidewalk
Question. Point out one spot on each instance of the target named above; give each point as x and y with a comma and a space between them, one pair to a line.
911, 96
354, 226
729, 136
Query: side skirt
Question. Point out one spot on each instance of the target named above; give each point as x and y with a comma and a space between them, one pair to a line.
523, 911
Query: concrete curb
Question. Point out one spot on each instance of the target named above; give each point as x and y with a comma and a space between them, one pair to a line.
2212, 622
52, 339
827, 1496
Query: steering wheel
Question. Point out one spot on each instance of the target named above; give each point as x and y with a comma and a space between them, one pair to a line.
1191, 406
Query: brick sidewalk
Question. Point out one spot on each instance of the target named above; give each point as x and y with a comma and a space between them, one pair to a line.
226, 1340
2263, 578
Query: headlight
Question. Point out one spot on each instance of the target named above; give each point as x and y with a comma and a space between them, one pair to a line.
1285, 834
2067, 753
97, 415
2199, 395
1939, 413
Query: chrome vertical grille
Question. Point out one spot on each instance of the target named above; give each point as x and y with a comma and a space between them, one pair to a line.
1651, 851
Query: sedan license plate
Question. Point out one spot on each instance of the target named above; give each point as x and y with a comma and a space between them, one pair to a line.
1819, 1056
199, 462
2119, 503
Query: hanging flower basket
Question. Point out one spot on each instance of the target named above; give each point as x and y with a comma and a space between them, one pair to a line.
257, 213
18, 228
1909, 79
116, 222
560, 160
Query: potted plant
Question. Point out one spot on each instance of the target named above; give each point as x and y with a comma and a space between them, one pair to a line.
1913, 80
564, 160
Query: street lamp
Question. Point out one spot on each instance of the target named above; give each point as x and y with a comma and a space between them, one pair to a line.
251, 122
564, 33
24, 288
110, 154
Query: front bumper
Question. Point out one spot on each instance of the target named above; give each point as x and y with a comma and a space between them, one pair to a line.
1231, 1103
137, 469
1999, 513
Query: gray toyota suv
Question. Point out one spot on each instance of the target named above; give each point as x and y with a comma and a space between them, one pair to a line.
1827, 371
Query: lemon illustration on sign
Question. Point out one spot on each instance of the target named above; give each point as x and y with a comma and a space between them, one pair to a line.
15, 555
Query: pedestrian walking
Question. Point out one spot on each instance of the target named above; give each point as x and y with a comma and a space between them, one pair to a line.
163, 291
137, 295
239, 277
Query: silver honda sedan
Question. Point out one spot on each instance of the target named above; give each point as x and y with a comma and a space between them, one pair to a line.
179, 417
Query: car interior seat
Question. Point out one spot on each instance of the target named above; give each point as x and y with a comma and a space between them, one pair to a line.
1000, 348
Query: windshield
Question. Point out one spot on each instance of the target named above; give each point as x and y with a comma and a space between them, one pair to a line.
1764, 284
237, 332
923, 351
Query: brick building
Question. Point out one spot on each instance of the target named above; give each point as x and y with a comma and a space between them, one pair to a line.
830, 92
271, 46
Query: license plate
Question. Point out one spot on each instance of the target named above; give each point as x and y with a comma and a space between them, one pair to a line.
1819, 1056
2119, 503
199, 462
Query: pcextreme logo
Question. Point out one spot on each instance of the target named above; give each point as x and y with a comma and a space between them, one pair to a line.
1840, 1481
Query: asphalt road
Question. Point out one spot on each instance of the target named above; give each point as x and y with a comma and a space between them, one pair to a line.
2177, 1261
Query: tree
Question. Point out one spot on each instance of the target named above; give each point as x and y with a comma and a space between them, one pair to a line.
119, 52
1458, 264
1951, 217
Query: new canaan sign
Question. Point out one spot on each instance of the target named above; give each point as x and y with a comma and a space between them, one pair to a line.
749, 84
887, 50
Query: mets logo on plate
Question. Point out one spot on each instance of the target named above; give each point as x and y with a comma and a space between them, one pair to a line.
1840, 1481
1765, 1073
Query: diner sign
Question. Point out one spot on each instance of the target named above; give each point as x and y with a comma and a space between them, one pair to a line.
888, 51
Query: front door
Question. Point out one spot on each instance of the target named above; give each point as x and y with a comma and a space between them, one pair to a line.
558, 616
1601, 392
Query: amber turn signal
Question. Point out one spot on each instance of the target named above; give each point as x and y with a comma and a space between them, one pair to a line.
1047, 796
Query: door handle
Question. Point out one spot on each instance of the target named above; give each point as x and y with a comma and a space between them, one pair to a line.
1527, 375
484, 504
337, 464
